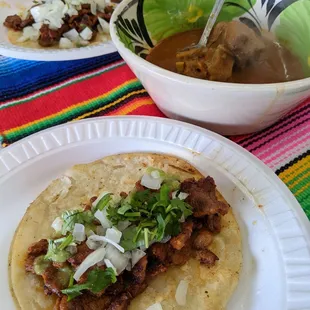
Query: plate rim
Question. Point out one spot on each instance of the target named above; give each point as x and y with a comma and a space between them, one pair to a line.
303, 223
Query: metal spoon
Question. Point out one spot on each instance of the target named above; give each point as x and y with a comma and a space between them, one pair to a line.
209, 26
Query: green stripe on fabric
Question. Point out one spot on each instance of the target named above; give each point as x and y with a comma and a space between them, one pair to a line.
73, 112
301, 183
63, 85
295, 179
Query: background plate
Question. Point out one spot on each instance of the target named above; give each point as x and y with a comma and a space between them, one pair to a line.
275, 231
11, 7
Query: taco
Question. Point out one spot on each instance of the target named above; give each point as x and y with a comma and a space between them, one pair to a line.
131, 231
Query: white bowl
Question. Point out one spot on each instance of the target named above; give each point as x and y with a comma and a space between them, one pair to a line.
226, 108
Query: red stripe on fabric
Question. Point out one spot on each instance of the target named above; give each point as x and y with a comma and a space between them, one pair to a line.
63, 98
150, 110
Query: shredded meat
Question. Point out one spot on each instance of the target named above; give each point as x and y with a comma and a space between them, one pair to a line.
206, 257
202, 197
203, 239
82, 252
213, 223
180, 240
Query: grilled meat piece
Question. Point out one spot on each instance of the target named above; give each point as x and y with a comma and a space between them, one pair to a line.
120, 303
82, 252
180, 240
84, 302
116, 288
139, 270
180, 257
36, 249
49, 37
203, 239
134, 290
159, 251
213, 223
202, 197
53, 282
155, 268
13, 22
206, 257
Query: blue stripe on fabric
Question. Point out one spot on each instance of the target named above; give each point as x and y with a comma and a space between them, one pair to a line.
19, 78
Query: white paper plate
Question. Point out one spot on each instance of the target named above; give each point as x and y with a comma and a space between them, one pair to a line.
11, 7
275, 230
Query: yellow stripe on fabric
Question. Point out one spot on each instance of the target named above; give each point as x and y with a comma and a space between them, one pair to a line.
293, 171
80, 104
134, 106
137, 92
299, 179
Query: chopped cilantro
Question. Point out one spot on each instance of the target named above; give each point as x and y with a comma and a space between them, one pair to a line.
97, 280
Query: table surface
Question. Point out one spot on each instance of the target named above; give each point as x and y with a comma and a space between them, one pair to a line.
38, 95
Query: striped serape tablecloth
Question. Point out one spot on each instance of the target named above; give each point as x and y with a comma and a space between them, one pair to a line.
38, 95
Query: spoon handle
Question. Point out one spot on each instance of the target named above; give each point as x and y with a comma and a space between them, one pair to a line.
211, 21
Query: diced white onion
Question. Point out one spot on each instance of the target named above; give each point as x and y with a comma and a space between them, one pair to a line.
91, 260
109, 264
94, 245
72, 35
150, 182
38, 26
119, 260
104, 25
86, 34
181, 196
29, 33
181, 292
72, 249
113, 234
82, 42
100, 230
102, 217
94, 204
156, 306
122, 225
182, 219
155, 174
57, 224
136, 255
79, 232
104, 239
65, 43
93, 8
